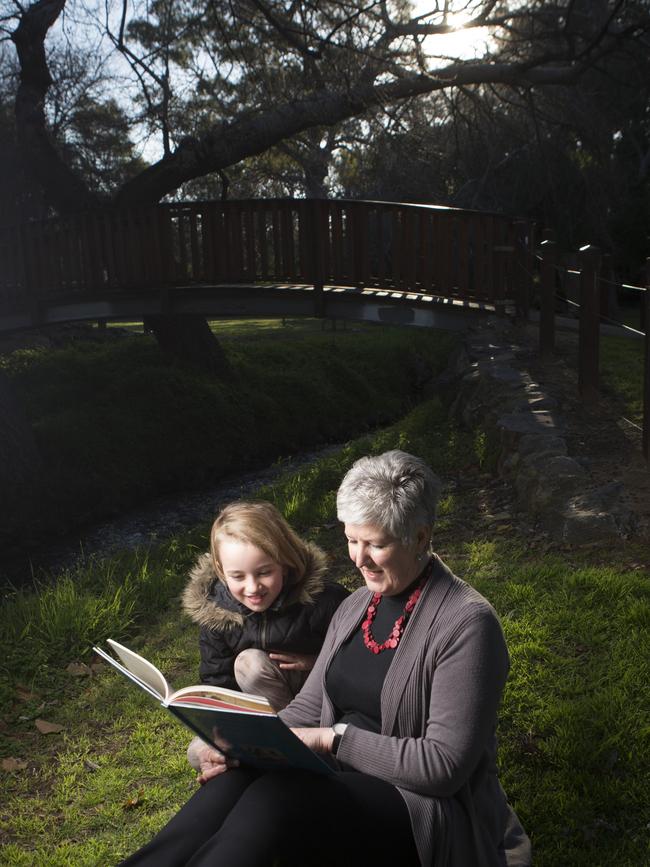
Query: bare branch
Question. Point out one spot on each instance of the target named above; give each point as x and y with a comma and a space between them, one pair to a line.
287, 31
256, 133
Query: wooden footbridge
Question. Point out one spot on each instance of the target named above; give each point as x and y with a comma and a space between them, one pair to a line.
378, 261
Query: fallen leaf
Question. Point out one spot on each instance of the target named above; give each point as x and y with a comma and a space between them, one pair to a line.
79, 669
135, 801
97, 667
11, 764
47, 728
23, 693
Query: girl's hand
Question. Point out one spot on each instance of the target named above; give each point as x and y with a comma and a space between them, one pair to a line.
320, 740
293, 661
212, 763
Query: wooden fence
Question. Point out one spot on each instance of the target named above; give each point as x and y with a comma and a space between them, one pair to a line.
593, 295
433, 250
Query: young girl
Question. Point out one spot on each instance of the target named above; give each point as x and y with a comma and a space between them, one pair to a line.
263, 604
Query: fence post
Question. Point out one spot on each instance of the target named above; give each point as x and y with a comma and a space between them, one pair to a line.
589, 333
547, 300
605, 287
524, 261
646, 368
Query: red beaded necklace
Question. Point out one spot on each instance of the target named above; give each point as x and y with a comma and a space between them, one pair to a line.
396, 632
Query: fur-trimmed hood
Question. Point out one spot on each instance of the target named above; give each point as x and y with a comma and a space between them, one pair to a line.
209, 603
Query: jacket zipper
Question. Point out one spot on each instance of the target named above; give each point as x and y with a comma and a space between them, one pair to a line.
263, 630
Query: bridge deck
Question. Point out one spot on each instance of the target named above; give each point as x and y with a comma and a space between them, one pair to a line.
232, 301
407, 264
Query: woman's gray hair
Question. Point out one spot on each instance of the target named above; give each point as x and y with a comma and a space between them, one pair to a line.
395, 491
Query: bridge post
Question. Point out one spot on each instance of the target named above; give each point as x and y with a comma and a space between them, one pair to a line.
525, 245
28, 263
547, 300
589, 333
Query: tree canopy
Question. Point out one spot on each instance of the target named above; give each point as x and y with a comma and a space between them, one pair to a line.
209, 84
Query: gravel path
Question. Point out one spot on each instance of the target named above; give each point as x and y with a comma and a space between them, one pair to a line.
157, 521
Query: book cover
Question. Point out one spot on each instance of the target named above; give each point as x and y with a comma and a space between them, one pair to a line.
239, 725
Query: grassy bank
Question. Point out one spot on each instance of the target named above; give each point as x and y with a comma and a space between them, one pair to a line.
575, 743
115, 425
621, 364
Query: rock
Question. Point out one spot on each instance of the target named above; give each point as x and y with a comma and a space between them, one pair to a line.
541, 401
584, 526
545, 484
546, 443
508, 463
516, 424
596, 515
503, 373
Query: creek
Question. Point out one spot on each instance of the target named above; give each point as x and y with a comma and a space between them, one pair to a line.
155, 522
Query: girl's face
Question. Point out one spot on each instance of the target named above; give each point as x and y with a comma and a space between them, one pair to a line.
252, 577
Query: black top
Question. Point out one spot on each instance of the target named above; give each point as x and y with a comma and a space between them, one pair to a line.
297, 628
355, 676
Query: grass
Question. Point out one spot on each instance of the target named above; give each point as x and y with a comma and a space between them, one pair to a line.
574, 733
621, 365
115, 425
283, 327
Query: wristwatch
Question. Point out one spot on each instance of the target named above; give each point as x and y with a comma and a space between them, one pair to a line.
339, 731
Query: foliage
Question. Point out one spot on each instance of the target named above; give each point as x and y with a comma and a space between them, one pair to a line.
575, 159
210, 84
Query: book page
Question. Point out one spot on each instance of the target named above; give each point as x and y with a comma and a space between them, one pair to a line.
144, 670
196, 700
229, 697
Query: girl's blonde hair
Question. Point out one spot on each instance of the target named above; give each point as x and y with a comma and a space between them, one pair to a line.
260, 524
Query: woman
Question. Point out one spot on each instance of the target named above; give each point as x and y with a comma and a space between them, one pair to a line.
403, 697
263, 602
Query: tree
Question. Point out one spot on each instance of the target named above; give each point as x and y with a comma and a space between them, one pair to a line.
575, 158
211, 83
218, 83
221, 83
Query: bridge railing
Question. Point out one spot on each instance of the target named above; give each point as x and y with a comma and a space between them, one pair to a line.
417, 248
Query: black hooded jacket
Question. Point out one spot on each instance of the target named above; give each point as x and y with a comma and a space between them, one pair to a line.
296, 622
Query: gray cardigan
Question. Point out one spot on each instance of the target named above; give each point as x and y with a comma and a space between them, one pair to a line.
439, 706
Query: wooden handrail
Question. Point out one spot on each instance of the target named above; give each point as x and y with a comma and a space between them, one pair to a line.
426, 248
593, 308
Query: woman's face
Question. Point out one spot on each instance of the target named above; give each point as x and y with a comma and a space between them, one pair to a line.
388, 566
252, 577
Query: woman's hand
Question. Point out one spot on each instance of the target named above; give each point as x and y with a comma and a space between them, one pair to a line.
320, 740
212, 763
293, 661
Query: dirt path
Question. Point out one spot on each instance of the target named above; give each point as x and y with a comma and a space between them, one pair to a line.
599, 434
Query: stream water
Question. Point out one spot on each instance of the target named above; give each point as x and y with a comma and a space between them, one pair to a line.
156, 521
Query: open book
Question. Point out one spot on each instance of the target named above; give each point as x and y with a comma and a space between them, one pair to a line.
239, 725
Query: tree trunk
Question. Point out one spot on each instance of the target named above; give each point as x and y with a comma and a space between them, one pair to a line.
188, 340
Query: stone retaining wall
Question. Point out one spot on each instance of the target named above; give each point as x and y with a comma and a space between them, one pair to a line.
488, 385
